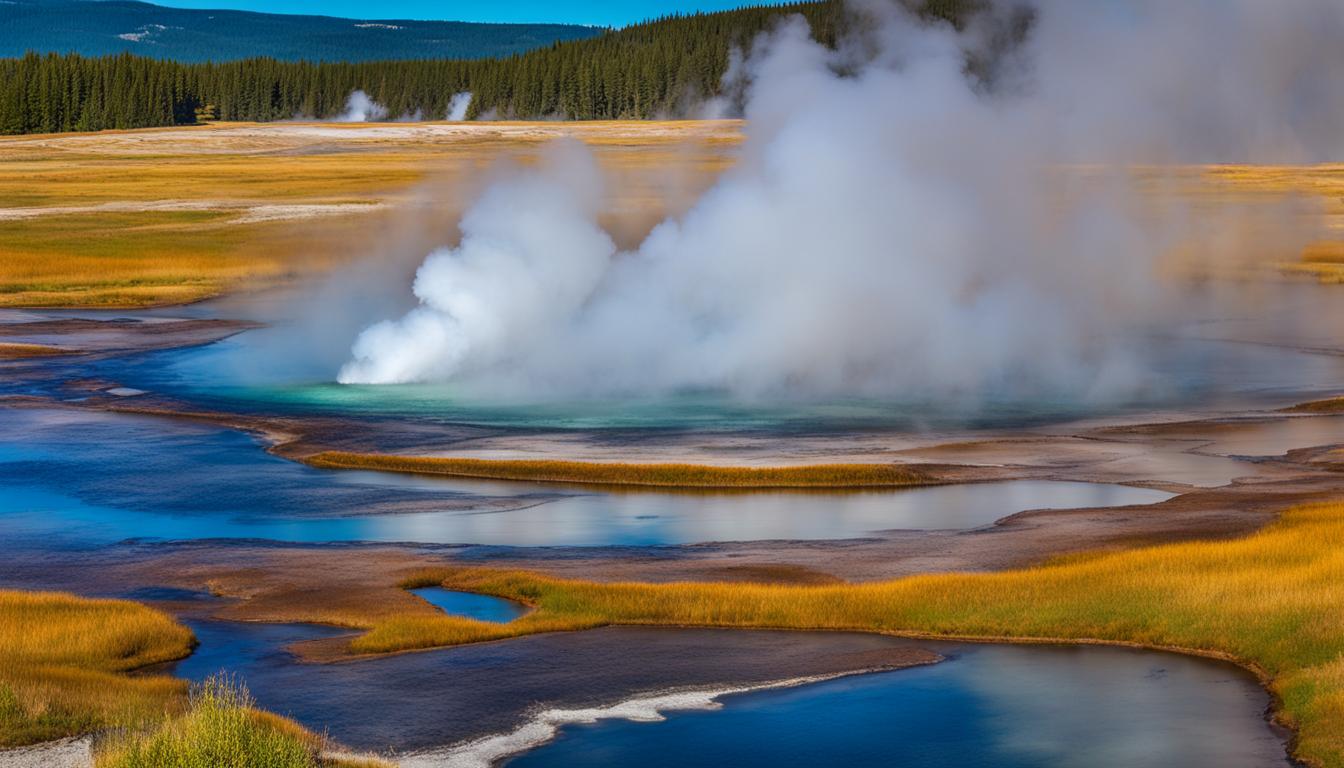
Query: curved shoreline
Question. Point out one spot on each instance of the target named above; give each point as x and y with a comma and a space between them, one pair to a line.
545, 725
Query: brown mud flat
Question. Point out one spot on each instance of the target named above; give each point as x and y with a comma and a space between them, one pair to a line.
111, 336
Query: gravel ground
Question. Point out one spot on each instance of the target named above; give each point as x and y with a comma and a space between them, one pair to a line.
64, 753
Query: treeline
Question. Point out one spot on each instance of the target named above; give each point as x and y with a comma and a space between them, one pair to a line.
658, 68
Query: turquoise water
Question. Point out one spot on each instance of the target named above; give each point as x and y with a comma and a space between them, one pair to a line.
471, 605
253, 372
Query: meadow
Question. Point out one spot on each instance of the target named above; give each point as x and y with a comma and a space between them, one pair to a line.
1273, 602
170, 216
628, 474
156, 217
70, 665
64, 659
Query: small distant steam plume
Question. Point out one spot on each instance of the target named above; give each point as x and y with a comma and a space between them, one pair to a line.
458, 105
359, 108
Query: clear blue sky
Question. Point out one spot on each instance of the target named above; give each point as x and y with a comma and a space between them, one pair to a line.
611, 13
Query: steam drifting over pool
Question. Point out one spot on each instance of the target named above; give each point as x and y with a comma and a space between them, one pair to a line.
900, 221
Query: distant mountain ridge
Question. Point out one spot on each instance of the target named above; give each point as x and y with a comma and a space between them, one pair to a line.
101, 27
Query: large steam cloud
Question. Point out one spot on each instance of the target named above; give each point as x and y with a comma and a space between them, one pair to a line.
896, 226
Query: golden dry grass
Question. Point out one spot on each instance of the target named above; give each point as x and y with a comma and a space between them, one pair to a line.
108, 233
617, 473
14, 351
1328, 405
91, 256
1273, 601
63, 671
131, 259
63, 661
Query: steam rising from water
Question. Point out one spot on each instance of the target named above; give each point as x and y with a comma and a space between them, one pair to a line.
359, 108
895, 225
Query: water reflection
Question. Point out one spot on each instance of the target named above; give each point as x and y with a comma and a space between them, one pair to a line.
471, 605
990, 706
96, 477
1000, 706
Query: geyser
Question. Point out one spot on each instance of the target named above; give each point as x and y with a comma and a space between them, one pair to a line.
360, 108
923, 211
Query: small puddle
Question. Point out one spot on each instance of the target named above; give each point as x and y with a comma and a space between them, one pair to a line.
1277, 437
471, 605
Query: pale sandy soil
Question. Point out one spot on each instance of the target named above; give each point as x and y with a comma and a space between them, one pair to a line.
230, 138
64, 753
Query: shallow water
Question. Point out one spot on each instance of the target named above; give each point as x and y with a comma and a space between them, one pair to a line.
1016, 707
471, 605
256, 371
94, 478
1275, 438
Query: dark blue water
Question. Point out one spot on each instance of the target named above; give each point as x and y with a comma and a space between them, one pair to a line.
990, 707
94, 478
240, 648
472, 605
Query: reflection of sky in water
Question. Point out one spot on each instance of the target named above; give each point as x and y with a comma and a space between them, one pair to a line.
100, 477
1276, 438
993, 706
471, 605
989, 706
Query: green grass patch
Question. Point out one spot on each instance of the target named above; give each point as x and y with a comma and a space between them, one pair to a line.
222, 728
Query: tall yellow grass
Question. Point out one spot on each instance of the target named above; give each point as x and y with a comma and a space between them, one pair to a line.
620, 473
16, 351
63, 659
1273, 601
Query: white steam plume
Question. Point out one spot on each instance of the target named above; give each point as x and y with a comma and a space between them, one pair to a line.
895, 226
529, 257
458, 105
359, 108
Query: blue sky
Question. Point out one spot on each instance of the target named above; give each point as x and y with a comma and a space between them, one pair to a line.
599, 12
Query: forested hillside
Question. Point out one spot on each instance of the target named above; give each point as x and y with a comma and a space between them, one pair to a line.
659, 68
104, 27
